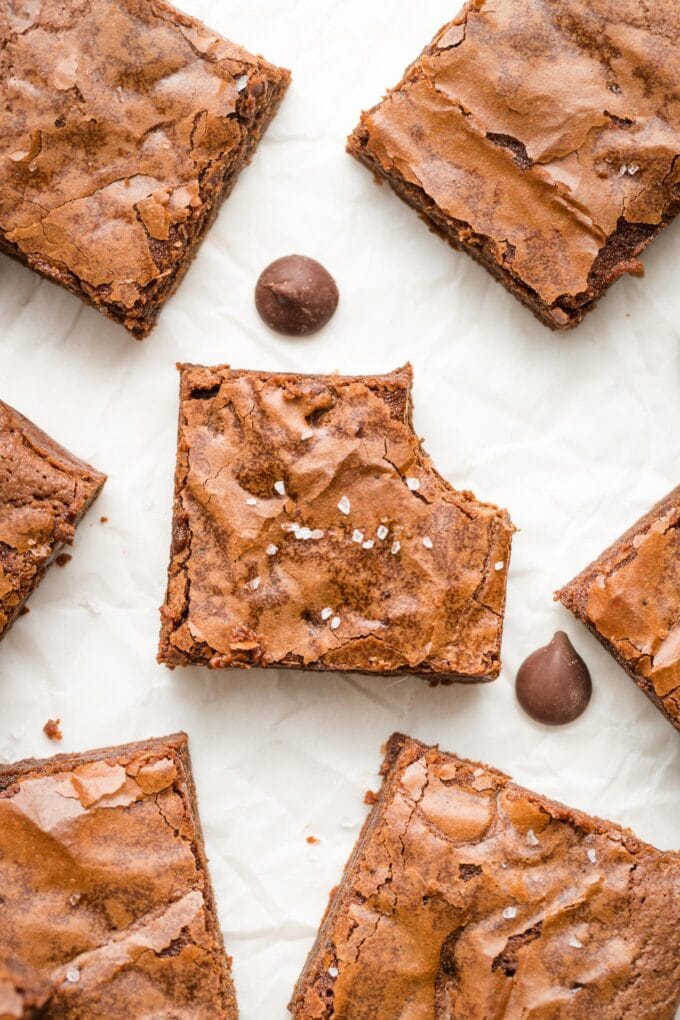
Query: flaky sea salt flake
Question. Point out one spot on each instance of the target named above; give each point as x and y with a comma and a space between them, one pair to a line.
344, 506
592, 856
531, 838
280, 488
335, 623
574, 943
73, 975
357, 536
427, 542
382, 532
413, 484
326, 613
272, 549
509, 913
368, 544
396, 546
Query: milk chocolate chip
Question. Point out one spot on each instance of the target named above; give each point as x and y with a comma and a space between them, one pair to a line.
553, 685
296, 295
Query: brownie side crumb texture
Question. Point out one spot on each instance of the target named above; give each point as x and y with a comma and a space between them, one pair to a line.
487, 102
469, 896
311, 531
125, 922
629, 598
138, 124
44, 492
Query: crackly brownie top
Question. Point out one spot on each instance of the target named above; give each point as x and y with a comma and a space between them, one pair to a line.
311, 529
542, 124
104, 891
631, 597
472, 897
113, 111
43, 491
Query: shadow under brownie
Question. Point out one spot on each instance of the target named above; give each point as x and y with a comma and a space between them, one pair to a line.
124, 125
541, 137
629, 598
468, 897
105, 889
44, 492
311, 531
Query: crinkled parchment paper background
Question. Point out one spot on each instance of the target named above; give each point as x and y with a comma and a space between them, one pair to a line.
577, 435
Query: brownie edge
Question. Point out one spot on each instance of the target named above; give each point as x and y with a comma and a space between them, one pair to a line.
111, 195
531, 157
466, 894
312, 531
629, 598
125, 923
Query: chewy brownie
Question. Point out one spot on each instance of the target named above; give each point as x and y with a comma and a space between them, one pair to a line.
629, 599
123, 126
44, 491
470, 897
105, 888
541, 137
311, 531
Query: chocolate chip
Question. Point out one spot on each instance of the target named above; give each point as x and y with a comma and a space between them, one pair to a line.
296, 295
553, 685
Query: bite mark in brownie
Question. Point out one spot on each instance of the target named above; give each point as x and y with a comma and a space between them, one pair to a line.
105, 889
469, 896
124, 125
629, 599
44, 492
311, 531
542, 138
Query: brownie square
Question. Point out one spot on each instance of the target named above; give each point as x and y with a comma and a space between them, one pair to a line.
123, 126
629, 599
468, 896
105, 887
311, 531
541, 137
44, 492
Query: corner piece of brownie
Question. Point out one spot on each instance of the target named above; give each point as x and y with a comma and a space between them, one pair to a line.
106, 895
123, 126
469, 896
44, 492
311, 531
541, 137
629, 599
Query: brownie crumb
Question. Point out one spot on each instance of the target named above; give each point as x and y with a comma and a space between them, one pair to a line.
103, 520
62, 559
52, 729
24, 611
313, 840
370, 797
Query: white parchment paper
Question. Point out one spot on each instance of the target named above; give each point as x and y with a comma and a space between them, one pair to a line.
577, 434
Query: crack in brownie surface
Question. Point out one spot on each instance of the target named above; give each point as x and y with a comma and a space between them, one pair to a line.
44, 491
542, 136
468, 897
312, 531
106, 896
630, 599
124, 125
